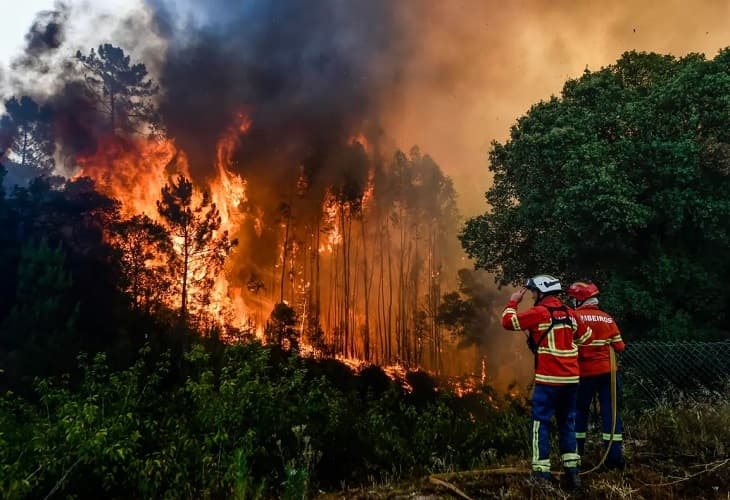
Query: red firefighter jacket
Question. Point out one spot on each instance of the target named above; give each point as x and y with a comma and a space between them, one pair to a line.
557, 352
593, 356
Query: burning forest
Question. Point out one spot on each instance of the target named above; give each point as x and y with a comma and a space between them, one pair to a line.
228, 272
338, 254
258, 194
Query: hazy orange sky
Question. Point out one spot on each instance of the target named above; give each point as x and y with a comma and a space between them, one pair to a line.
475, 66
484, 63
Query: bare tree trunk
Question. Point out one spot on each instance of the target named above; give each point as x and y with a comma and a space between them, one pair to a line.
333, 302
186, 262
24, 150
353, 278
284, 253
366, 285
381, 294
407, 313
345, 224
402, 332
389, 329
316, 278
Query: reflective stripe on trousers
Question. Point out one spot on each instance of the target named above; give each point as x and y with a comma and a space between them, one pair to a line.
560, 401
600, 385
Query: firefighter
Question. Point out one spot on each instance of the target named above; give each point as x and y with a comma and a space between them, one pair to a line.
595, 371
554, 330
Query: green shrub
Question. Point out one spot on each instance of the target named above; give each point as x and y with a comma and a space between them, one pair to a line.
245, 421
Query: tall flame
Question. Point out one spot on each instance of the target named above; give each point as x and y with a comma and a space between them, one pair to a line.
133, 171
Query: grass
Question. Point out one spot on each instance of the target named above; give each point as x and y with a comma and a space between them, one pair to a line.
679, 448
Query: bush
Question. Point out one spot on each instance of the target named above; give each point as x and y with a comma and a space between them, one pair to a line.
246, 422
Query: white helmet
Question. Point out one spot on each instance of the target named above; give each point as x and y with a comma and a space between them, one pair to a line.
543, 283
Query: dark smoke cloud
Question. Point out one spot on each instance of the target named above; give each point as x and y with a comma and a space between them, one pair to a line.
45, 36
46, 32
78, 125
309, 74
48, 72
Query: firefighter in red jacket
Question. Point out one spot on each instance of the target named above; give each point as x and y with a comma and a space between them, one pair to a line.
595, 371
554, 331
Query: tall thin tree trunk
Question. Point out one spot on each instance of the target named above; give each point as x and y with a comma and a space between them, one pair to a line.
354, 330
317, 281
381, 294
186, 263
366, 332
389, 329
284, 253
24, 149
345, 278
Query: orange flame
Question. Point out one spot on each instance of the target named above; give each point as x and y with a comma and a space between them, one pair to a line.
133, 170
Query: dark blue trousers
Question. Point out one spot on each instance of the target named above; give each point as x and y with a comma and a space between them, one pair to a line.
590, 387
560, 401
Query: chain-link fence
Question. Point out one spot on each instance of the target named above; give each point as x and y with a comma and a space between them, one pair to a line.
657, 370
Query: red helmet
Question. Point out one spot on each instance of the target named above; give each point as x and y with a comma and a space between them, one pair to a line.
583, 290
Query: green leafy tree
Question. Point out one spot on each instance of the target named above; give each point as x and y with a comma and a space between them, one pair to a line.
122, 90
30, 143
200, 247
623, 178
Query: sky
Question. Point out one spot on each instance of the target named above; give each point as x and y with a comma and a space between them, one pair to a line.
480, 64
18, 15
483, 63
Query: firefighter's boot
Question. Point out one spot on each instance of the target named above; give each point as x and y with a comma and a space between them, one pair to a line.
572, 478
617, 463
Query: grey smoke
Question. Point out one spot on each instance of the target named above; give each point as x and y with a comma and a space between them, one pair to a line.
309, 74
45, 36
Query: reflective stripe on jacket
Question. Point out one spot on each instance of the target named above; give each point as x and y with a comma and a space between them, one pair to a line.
594, 356
557, 354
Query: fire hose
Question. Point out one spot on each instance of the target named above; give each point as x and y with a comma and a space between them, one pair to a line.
443, 479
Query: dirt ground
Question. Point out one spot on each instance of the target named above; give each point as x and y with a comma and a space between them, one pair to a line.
645, 478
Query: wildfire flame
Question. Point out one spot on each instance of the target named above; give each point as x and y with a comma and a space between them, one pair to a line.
133, 171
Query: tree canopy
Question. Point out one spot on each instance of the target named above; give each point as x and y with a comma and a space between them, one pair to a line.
201, 250
122, 89
27, 129
623, 178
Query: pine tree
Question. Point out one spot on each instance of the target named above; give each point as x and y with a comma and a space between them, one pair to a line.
122, 91
30, 143
200, 251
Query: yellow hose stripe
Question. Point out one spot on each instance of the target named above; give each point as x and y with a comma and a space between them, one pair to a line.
580, 435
